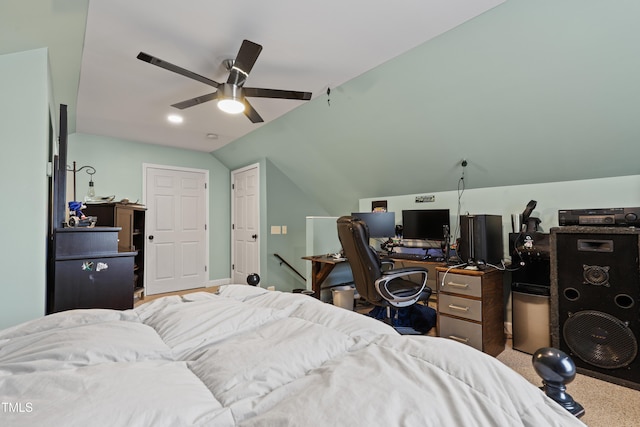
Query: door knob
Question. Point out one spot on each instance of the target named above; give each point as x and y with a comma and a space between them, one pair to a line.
151, 237
254, 236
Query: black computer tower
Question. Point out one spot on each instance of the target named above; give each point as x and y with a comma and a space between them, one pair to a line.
481, 239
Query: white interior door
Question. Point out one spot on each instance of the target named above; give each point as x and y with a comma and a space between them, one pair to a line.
245, 237
176, 241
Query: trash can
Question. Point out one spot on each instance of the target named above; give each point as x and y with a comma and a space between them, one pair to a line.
530, 316
343, 296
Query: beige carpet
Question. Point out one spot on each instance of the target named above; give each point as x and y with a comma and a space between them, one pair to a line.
606, 404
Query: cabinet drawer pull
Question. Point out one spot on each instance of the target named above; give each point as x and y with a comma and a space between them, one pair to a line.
462, 340
457, 307
458, 285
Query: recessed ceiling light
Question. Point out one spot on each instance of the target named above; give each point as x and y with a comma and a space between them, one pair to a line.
174, 118
212, 135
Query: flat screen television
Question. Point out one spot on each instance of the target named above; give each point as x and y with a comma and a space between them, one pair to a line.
424, 224
380, 224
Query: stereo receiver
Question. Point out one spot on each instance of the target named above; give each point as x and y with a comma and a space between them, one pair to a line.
611, 217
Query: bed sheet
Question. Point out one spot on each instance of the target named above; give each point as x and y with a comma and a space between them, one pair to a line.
251, 357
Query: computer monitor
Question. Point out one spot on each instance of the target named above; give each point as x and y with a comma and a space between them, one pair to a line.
424, 224
380, 224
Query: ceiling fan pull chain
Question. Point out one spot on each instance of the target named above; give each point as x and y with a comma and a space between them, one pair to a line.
328, 96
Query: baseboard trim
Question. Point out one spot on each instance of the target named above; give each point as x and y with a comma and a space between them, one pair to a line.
218, 282
508, 329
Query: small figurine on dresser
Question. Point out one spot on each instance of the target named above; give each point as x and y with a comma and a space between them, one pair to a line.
77, 218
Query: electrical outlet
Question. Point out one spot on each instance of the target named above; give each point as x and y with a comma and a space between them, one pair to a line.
423, 199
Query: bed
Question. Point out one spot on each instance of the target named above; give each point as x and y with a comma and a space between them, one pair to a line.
251, 357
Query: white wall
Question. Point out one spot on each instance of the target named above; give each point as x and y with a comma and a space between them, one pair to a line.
24, 132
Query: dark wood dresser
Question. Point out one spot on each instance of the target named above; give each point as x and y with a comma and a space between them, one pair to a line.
130, 218
88, 270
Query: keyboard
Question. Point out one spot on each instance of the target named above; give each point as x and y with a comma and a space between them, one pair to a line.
407, 256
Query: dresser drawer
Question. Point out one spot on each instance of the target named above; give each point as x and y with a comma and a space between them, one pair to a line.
460, 284
461, 331
461, 307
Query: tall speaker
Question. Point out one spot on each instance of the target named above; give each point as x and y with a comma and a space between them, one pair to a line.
481, 239
595, 300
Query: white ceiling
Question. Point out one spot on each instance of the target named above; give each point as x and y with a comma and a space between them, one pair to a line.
307, 46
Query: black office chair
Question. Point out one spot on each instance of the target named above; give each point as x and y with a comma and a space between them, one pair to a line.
382, 288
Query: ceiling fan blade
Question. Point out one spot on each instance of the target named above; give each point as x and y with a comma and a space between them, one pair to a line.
276, 93
168, 66
250, 112
242, 65
195, 101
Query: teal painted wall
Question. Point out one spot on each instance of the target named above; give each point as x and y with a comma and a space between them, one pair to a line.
118, 165
512, 199
286, 205
24, 133
282, 203
528, 92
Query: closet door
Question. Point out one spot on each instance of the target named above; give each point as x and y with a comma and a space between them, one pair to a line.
176, 247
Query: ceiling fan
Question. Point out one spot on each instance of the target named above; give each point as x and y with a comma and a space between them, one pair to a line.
232, 95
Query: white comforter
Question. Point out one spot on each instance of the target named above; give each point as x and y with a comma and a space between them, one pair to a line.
249, 357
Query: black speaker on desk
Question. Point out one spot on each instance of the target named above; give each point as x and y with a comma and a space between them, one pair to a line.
480, 239
595, 289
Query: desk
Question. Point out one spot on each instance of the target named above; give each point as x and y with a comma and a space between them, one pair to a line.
323, 265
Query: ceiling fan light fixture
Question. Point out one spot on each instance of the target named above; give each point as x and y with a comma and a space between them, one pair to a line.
231, 106
230, 99
230, 95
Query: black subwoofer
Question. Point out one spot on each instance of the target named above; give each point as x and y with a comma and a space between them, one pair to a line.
595, 300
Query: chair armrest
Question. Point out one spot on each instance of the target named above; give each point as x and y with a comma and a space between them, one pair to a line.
405, 271
403, 297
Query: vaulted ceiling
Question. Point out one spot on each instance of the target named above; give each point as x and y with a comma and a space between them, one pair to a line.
307, 46
526, 91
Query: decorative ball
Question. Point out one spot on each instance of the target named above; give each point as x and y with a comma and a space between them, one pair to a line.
554, 365
253, 279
